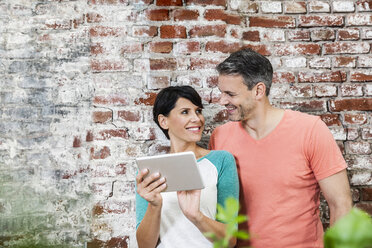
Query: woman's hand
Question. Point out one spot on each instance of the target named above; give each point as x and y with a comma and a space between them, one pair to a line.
189, 202
150, 187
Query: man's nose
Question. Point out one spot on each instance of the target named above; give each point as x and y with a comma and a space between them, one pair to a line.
223, 100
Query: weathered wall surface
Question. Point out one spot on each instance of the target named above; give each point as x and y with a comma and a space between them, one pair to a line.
78, 79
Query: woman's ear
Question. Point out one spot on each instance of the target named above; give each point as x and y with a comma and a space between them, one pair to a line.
163, 121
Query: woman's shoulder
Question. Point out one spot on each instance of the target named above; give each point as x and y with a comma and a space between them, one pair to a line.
220, 156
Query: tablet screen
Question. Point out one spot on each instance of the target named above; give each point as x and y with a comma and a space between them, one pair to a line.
179, 169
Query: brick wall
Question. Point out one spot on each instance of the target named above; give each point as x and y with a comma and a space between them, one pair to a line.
78, 79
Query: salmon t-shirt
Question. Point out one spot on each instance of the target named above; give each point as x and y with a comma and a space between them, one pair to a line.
279, 177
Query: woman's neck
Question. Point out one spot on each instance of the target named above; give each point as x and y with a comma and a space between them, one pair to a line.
185, 147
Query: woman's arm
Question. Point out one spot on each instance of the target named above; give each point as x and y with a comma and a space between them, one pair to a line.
189, 202
149, 189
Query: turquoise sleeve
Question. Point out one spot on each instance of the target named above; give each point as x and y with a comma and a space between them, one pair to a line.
141, 207
228, 182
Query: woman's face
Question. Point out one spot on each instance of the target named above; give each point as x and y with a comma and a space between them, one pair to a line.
185, 122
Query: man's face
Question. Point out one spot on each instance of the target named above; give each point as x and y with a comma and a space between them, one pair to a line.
235, 96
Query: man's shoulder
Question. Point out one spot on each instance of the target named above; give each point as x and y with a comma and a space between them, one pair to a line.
302, 119
227, 126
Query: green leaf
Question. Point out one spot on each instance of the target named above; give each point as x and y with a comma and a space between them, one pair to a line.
354, 230
240, 219
241, 235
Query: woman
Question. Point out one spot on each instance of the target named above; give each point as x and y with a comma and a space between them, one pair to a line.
179, 219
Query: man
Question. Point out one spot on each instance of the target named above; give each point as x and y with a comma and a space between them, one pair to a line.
284, 158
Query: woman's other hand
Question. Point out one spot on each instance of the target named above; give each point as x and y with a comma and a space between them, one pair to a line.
189, 202
149, 188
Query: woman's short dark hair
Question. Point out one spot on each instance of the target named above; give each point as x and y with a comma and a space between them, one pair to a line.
252, 66
166, 100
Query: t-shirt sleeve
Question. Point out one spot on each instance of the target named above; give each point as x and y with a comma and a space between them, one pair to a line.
228, 182
141, 207
323, 152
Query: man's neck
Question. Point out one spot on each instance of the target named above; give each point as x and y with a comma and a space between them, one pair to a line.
264, 120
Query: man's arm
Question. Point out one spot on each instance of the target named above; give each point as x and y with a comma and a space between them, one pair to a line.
336, 191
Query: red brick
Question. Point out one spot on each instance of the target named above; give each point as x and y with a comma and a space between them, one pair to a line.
261, 49
144, 133
325, 90
208, 30
158, 82
348, 34
89, 137
358, 147
172, 31
298, 35
121, 242
359, 20
367, 133
277, 22
185, 15
102, 116
294, 7
284, 77
361, 76
101, 154
361, 104
342, 61
127, 115
132, 48
161, 47
163, 64
76, 142
305, 106
143, 31
157, 14
319, 6
355, 119
112, 133
168, 2
364, 5
107, 1
222, 46
212, 81
111, 207
351, 90
322, 76
96, 48
321, 21
187, 47
149, 99
301, 91
323, 34
102, 31
251, 36
366, 193
331, 119
296, 49
207, 2
94, 18
108, 65
110, 100
365, 61
199, 63
219, 14
320, 62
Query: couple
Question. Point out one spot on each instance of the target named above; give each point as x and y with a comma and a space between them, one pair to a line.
283, 158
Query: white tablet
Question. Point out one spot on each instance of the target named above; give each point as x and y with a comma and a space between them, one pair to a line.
179, 169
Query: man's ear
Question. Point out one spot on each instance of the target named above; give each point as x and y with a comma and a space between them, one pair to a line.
163, 121
260, 90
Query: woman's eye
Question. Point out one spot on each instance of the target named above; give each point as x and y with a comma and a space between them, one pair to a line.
184, 112
199, 111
